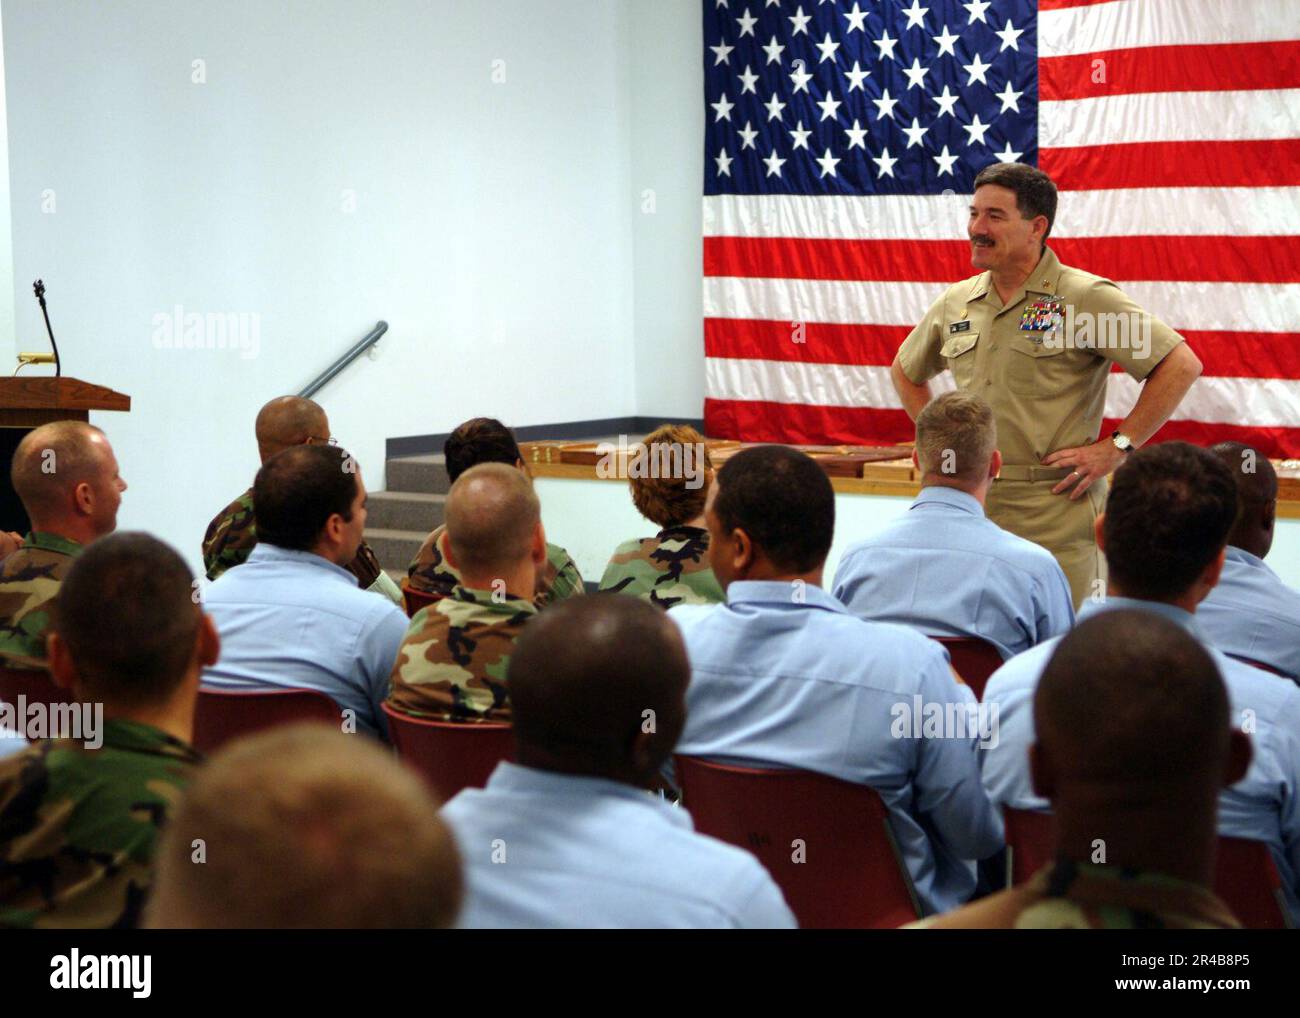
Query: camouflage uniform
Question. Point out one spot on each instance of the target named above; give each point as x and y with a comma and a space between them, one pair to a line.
668, 569
78, 826
431, 573
232, 535
1070, 895
453, 660
29, 580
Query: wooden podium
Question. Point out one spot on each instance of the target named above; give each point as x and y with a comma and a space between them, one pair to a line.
27, 403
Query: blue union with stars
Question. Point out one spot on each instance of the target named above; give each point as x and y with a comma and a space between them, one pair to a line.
868, 97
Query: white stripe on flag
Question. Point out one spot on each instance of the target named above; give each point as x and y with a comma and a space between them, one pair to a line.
1169, 116
1122, 212
1124, 24
1227, 307
1266, 402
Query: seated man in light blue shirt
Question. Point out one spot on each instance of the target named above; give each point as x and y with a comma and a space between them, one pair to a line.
944, 567
1163, 533
783, 675
569, 836
291, 617
1252, 615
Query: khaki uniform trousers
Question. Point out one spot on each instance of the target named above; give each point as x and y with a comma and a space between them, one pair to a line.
1022, 502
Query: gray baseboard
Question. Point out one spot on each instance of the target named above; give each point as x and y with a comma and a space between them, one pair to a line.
425, 445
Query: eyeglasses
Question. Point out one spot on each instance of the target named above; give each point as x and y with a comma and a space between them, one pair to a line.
311, 439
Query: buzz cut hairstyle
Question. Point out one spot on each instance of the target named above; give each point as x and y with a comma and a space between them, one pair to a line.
956, 436
666, 500
50, 461
492, 512
127, 614
306, 828
1035, 191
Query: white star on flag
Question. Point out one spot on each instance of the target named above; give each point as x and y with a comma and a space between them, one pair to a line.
800, 136
946, 102
886, 43
885, 162
829, 105
1009, 36
977, 69
799, 20
974, 128
857, 135
747, 135
773, 50
857, 19
724, 163
916, 74
885, 106
774, 164
828, 48
945, 162
747, 81
1007, 155
914, 133
774, 107
1010, 99
747, 22
915, 13
946, 42
828, 163
799, 77
856, 76
723, 51
722, 108
977, 10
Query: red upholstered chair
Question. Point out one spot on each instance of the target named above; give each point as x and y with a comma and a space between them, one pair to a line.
451, 755
222, 715
851, 875
413, 600
1258, 664
1248, 882
1245, 877
974, 659
36, 686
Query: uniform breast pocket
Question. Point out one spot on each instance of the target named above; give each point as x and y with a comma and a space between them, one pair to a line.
959, 353
1037, 369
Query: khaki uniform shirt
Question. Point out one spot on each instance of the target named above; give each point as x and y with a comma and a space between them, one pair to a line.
1041, 360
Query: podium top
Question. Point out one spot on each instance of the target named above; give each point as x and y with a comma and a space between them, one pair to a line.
42, 392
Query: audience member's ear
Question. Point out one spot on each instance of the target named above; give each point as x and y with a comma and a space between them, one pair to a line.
83, 497
538, 548
1209, 578
916, 458
62, 670
1239, 757
743, 554
1040, 773
1268, 517
995, 463
208, 644
1097, 531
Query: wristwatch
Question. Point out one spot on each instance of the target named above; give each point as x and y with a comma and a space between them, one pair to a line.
1122, 442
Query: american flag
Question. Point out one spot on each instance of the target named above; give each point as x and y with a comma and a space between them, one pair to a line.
842, 140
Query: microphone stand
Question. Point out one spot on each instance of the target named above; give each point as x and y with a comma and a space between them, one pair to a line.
39, 288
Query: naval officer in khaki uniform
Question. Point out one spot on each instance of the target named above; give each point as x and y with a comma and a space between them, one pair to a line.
1036, 339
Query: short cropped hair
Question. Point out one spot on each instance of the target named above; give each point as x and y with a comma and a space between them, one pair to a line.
50, 461
1035, 191
956, 436
296, 492
303, 827
479, 440
492, 513
1130, 693
667, 500
783, 500
1168, 514
128, 615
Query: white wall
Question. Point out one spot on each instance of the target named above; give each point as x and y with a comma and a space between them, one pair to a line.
668, 162
493, 224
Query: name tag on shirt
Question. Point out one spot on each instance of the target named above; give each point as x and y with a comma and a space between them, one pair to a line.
959, 327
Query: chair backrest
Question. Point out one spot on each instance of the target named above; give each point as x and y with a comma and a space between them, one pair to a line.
1245, 877
1247, 881
413, 600
1259, 664
221, 715
826, 842
451, 755
974, 659
36, 686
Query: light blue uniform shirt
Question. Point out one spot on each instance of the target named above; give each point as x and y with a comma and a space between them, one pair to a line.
946, 569
294, 620
778, 683
1263, 806
11, 742
1253, 614
542, 849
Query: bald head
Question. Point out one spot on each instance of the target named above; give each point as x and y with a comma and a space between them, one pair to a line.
1256, 496
598, 686
306, 828
1132, 701
493, 517
67, 477
287, 421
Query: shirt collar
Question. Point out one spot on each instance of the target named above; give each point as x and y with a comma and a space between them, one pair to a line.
137, 737
488, 605
513, 777
783, 593
1173, 613
265, 552
1045, 278
52, 542
1140, 891
939, 494
1236, 554
682, 533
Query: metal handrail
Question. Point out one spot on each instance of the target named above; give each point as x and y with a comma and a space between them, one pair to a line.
366, 342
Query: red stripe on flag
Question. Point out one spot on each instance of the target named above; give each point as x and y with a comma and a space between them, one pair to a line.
1060, 5
1239, 259
1198, 68
1273, 163
1276, 443
800, 424
811, 342
1247, 354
